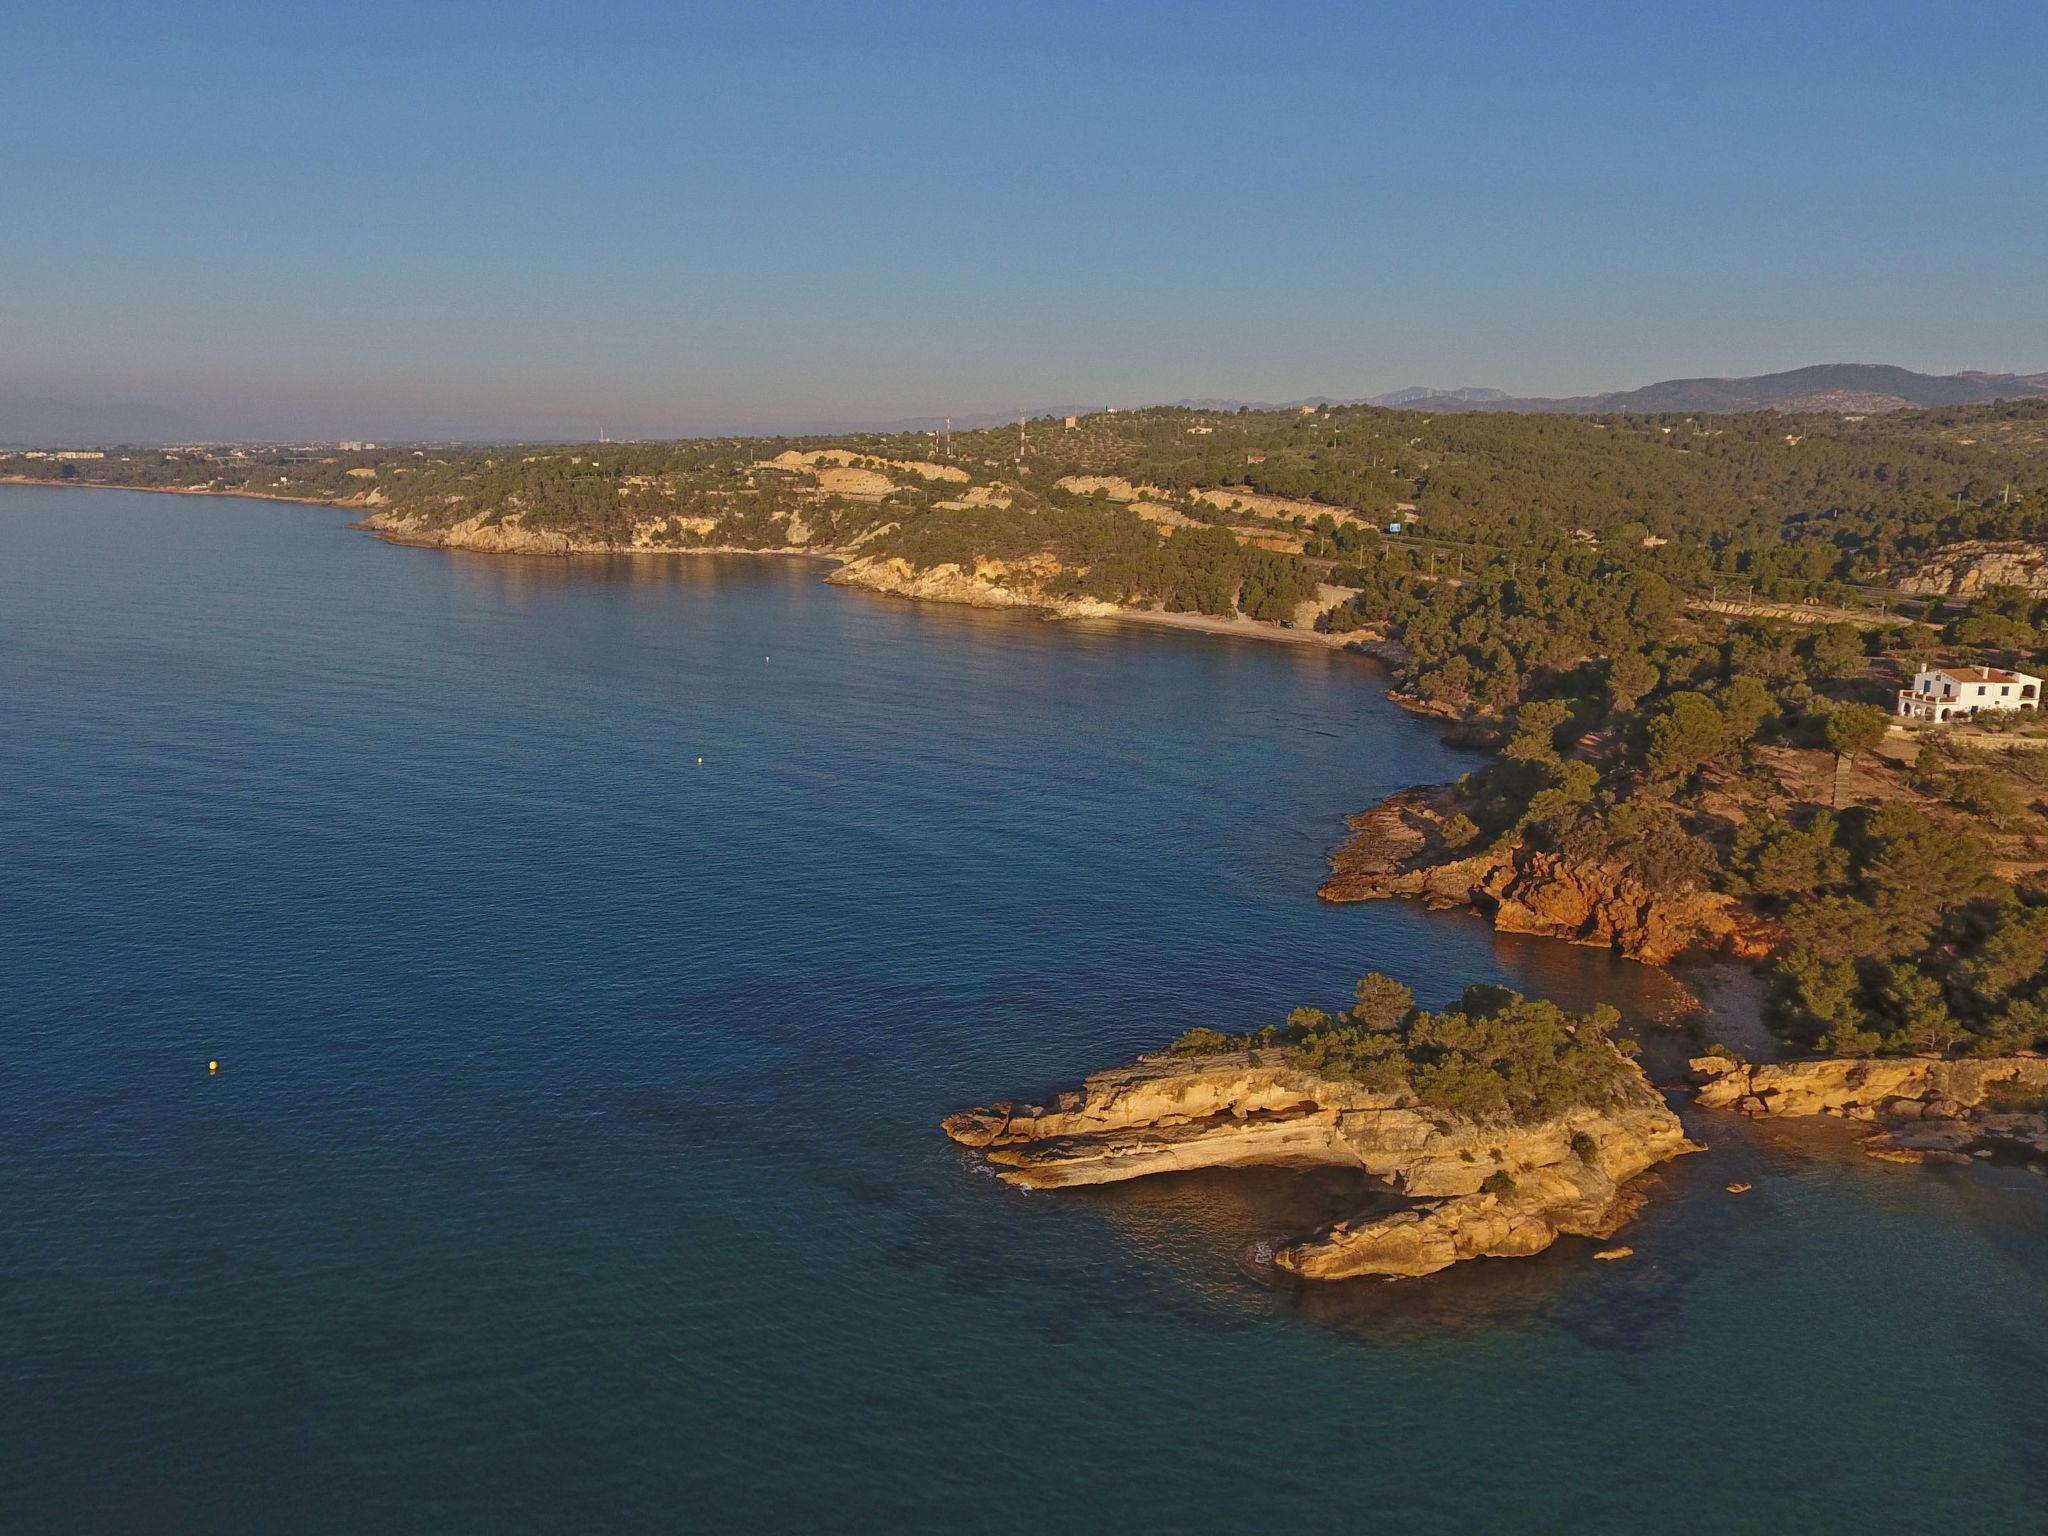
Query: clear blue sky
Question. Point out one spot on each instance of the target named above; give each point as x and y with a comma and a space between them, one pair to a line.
446, 219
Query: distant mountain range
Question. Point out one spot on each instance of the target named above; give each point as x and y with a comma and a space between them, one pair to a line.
1850, 388
1418, 394
1845, 387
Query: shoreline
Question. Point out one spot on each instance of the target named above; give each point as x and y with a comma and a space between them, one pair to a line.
1722, 987
1054, 610
182, 490
1211, 624
1240, 627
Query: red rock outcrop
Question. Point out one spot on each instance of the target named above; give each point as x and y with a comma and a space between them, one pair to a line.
1398, 849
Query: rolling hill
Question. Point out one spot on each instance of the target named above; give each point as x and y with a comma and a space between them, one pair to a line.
1850, 388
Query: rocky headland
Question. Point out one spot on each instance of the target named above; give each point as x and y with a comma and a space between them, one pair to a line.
1920, 1108
1475, 1188
1399, 848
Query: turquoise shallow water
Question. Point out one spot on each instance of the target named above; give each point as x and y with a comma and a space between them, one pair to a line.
573, 1162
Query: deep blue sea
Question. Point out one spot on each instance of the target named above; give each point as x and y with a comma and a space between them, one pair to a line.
573, 1163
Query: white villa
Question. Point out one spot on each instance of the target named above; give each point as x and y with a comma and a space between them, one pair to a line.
1957, 693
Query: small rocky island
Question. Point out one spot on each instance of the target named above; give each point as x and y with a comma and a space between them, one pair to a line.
1506, 1123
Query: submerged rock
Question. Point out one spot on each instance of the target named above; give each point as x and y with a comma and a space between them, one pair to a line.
1481, 1189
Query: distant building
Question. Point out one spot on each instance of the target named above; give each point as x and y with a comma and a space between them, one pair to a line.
1073, 422
1957, 693
78, 453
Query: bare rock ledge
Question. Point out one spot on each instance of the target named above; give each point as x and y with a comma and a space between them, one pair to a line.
1165, 1114
1921, 1108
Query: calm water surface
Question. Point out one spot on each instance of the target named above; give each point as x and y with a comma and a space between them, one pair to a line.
573, 1161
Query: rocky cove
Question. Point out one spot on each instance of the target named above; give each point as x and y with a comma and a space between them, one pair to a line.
1463, 1187
1584, 1174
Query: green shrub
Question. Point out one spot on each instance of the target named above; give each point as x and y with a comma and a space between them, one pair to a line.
1497, 1056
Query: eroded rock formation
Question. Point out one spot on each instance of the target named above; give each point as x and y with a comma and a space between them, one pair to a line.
1398, 849
1480, 1190
1921, 1108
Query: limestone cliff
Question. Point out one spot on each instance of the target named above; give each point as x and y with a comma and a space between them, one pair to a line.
1568, 1174
978, 583
1922, 1107
506, 533
1398, 849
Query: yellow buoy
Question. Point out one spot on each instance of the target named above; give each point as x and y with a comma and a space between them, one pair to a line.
213, 1066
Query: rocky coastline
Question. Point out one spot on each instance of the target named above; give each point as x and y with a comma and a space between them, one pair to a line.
985, 583
1921, 1109
1475, 1189
1399, 848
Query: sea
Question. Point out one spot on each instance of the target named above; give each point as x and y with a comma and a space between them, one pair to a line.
474, 1031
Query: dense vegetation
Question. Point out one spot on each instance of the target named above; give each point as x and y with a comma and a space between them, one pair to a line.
1670, 757
1496, 1056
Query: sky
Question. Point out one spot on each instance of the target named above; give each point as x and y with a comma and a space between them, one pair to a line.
437, 220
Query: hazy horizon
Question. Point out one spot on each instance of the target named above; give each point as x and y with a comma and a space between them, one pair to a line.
485, 224
14, 413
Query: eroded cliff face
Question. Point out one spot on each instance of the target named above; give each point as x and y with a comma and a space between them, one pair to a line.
506, 533
1397, 849
1922, 1108
1168, 1114
978, 583
1966, 569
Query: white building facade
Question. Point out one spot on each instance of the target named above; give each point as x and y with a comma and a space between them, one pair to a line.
1958, 693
